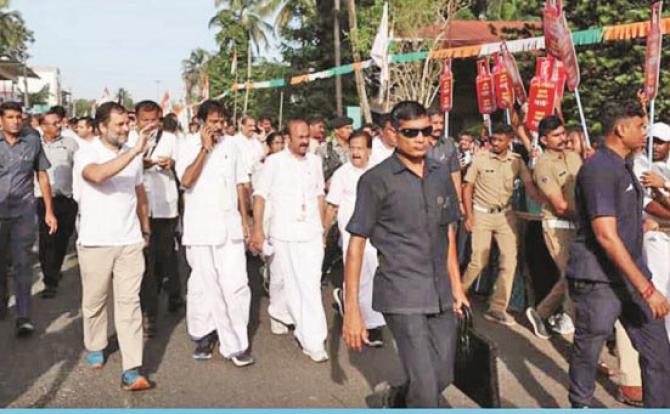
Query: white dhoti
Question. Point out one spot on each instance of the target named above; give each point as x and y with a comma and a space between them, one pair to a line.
295, 291
218, 295
372, 318
657, 252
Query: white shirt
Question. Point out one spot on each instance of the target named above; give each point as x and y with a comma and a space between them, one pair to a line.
640, 166
342, 192
380, 152
160, 184
292, 186
77, 178
211, 216
67, 132
250, 149
108, 211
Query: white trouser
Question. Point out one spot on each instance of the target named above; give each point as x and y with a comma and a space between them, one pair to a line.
657, 252
372, 318
295, 290
218, 295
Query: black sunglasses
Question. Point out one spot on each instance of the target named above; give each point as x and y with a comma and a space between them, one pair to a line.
413, 133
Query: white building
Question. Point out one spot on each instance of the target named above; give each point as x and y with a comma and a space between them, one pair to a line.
49, 76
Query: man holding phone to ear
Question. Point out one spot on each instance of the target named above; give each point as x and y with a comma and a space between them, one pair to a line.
405, 206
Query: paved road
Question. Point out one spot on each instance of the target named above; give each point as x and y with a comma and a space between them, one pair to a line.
48, 370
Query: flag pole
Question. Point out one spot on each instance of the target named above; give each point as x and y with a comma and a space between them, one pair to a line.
650, 145
446, 124
281, 108
583, 119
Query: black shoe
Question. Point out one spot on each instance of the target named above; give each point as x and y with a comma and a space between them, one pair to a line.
175, 304
338, 297
49, 292
24, 327
149, 326
204, 347
243, 360
375, 338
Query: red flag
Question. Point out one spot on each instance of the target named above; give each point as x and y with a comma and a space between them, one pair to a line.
446, 87
513, 71
558, 41
485, 93
542, 94
654, 44
502, 83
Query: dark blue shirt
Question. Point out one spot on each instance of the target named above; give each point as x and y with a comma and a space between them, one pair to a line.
18, 164
606, 187
406, 218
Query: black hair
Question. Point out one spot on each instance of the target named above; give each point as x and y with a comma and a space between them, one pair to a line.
10, 106
313, 120
406, 111
434, 111
170, 124
147, 106
270, 139
50, 112
89, 121
503, 129
104, 112
614, 113
361, 133
210, 106
59, 110
548, 124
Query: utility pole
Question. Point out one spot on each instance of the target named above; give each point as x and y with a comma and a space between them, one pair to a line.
338, 58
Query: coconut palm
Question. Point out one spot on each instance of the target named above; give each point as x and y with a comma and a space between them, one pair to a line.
249, 16
194, 70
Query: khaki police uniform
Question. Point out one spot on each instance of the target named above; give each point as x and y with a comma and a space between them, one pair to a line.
556, 172
493, 177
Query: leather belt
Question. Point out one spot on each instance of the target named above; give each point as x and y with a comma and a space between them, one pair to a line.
495, 210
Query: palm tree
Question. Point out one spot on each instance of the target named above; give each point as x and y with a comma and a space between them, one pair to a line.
14, 35
250, 16
194, 71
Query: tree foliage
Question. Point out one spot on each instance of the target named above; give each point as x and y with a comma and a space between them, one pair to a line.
14, 34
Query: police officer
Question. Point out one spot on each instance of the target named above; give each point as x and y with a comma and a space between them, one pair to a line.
555, 176
60, 151
607, 276
405, 206
487, 199
21, 158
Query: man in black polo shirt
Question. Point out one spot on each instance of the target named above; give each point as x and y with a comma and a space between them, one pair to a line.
608, 278
404, 206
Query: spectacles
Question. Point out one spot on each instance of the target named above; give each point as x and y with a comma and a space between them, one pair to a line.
413, 133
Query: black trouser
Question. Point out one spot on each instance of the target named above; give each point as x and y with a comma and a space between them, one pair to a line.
427, 348
161, 262
54, 246
598, 306
17, 235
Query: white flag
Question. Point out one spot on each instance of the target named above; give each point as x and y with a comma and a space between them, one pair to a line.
379, 52
106, 96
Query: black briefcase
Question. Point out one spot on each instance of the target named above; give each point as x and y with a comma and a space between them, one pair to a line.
476, 370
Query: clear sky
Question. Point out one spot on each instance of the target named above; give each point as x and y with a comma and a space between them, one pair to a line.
118, 43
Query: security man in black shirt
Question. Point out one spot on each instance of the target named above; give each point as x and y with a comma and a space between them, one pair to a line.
608, 278
404, 206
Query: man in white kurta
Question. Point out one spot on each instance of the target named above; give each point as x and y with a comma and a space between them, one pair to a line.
292, 185
384, 146
341, 201
218, 297
250, 148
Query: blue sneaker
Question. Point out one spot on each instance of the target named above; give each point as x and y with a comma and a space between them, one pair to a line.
95, 359
132, 380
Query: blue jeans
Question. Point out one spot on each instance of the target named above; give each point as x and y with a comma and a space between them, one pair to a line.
16, 238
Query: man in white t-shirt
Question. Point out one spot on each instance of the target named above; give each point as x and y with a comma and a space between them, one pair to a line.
251, 150
215, 226
383, 147
292, 185
85, 130
114, 227
341, 201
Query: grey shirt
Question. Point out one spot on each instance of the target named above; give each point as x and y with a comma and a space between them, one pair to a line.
60, 153
18, 164
407, 218
445, 151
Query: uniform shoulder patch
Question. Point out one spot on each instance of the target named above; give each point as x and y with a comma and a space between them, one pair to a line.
544, 179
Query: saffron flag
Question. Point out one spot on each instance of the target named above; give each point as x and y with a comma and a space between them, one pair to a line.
654, 44
446, 87
558, 41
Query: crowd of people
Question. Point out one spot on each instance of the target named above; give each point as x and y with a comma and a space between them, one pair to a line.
400, 201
